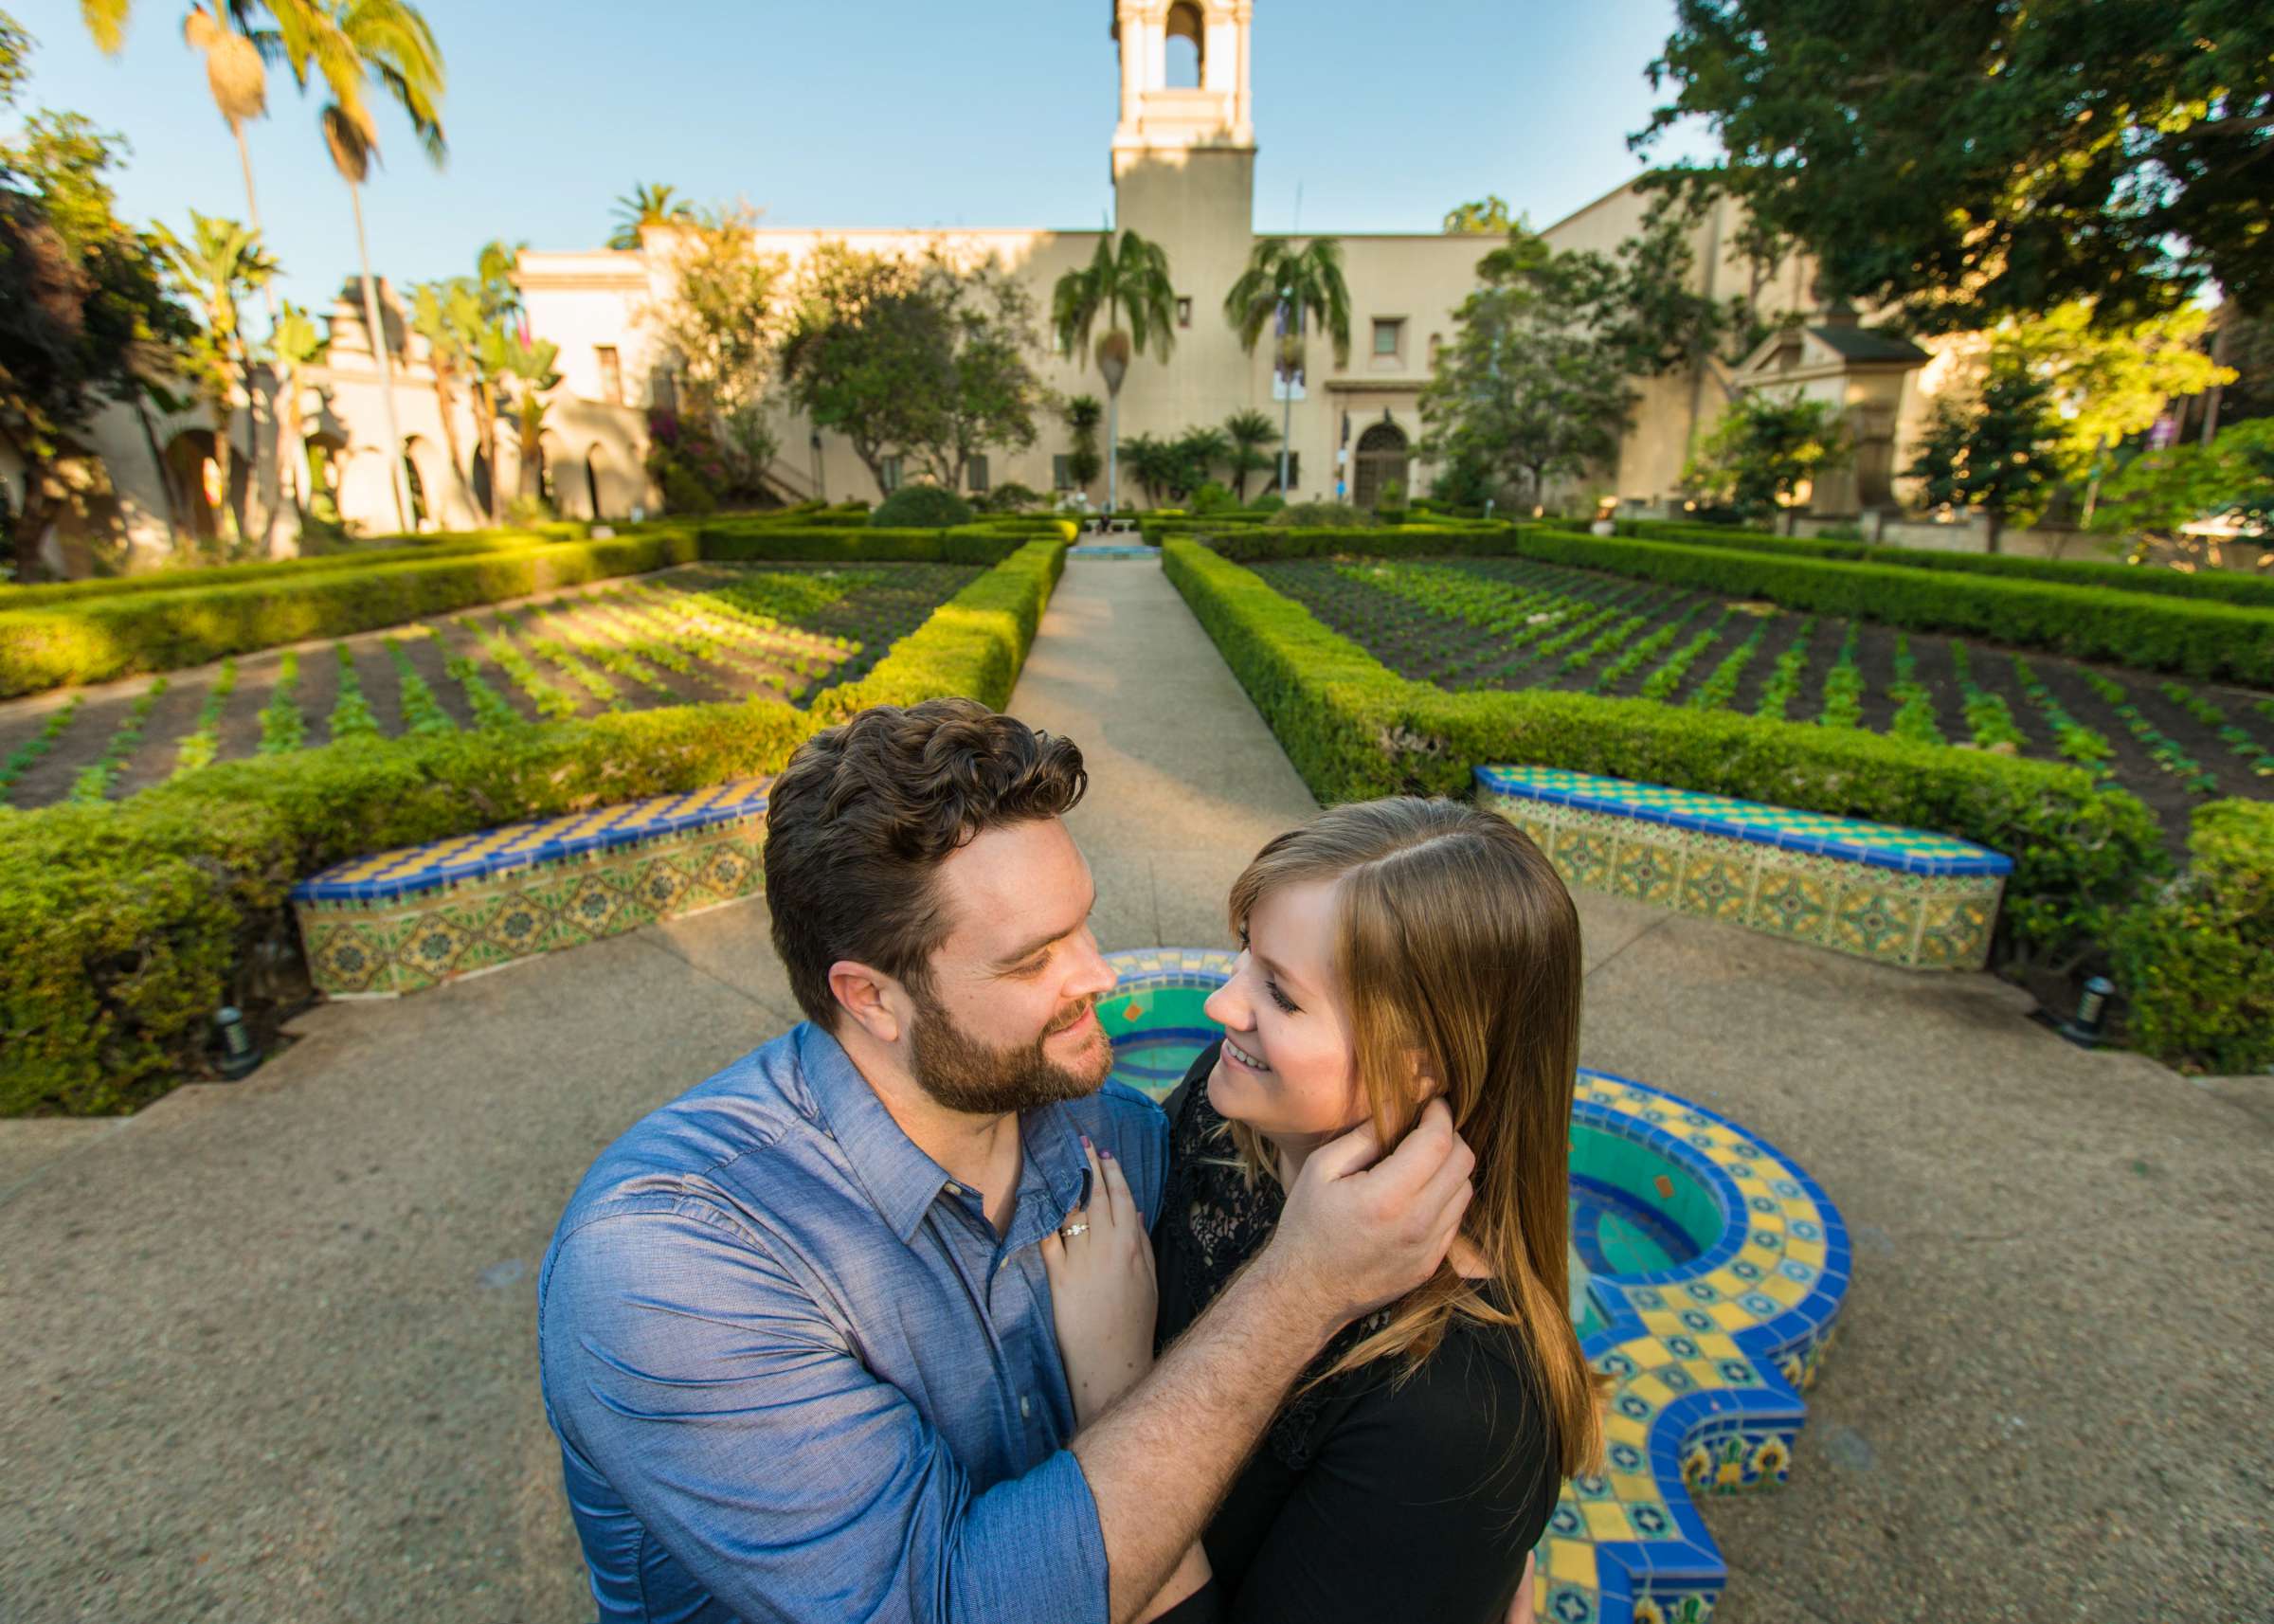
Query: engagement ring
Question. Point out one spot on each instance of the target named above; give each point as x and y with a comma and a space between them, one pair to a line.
1073, 1229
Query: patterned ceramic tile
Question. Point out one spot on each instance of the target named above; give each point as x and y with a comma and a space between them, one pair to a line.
1935, 914
455, 923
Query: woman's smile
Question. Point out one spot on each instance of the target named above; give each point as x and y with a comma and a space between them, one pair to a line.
1239, 1057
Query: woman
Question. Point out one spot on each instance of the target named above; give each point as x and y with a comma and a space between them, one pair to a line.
1391, 951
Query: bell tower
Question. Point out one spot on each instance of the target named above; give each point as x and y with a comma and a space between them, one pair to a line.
1184, 177
1158, 117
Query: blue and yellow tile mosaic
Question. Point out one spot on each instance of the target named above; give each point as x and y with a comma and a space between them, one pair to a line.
1709, 1354
407, 919
1901, 896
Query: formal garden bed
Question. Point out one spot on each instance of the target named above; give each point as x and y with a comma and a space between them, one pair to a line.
2097, 883
1469, 624
696, 634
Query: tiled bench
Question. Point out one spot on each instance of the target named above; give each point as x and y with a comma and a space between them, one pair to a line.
411, 918
1901, 896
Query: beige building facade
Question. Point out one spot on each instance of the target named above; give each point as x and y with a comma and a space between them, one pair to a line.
1183, 160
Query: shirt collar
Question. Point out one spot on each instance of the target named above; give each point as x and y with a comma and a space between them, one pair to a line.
901, 1180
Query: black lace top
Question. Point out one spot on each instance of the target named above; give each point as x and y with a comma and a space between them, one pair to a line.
1372, 1499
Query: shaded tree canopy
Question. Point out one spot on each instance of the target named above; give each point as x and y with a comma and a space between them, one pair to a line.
1486, 217
1966, 162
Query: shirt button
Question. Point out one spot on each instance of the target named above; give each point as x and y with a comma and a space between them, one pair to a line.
1026, 1408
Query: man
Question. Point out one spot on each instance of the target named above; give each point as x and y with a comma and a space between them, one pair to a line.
794, 1329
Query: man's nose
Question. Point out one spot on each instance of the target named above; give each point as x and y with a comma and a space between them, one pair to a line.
1094, 974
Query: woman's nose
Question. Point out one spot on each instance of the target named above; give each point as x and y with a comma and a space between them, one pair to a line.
1228, 1008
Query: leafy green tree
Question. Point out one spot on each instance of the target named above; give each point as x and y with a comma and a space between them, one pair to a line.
1154, 464
1978, 161
2108, 385
86, 317
1291, 287
2160, 492
1252, 435
723, 325
1525, 390
991, 391
1126, 274
1764, 447
864, 350
1486, 217
1200, 452
1642, 303
2000, 455
296, 343
647, 204
221, 263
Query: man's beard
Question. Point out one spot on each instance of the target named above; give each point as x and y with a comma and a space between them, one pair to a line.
965, 1075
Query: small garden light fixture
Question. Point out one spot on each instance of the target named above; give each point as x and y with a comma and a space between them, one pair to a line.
2084, 1028
239, 1057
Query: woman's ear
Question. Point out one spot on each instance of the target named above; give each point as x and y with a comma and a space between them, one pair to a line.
1422, 1085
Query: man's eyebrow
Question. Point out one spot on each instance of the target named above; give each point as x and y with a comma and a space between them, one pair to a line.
1031, 948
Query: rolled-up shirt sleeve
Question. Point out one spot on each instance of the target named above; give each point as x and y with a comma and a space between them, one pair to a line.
739, 1423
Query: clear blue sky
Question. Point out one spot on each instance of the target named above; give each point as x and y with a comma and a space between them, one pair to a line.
884, 113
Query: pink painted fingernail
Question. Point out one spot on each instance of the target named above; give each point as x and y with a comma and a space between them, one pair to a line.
1107, 1154
1086, 1145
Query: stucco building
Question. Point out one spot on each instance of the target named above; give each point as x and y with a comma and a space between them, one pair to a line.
1182, 158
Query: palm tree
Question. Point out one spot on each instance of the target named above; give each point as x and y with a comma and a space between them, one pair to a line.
529, 365
221, 262
1293, 284
1198, 453
1250, 431
389, 42
646, 205
295, 345
432, 319
1134, 277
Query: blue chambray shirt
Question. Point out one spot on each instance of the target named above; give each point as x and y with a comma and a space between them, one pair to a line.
795, 1374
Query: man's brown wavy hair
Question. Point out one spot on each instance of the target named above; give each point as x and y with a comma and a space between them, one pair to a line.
866, 811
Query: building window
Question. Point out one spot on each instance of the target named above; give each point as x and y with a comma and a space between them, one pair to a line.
611, 374
890, 479
1295, 470
1389, 336
1061, 472
976, 474
1184, 313
1436, 342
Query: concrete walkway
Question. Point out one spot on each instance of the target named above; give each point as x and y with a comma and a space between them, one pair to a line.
270, 1345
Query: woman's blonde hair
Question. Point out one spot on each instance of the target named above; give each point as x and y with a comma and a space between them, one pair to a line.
1456, 939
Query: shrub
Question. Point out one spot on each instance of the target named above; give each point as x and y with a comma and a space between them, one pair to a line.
2196, 959
117, 636
124, 926
914, 507
1010, 497
1270, 502
1307, 515
1355, 730
1214, 497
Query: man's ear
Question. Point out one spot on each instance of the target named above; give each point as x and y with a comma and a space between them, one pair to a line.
870, 998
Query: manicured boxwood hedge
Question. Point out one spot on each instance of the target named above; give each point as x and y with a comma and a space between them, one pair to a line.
378, 555
163, 631
124, 926
2220, 586
1355, 730
2130, 628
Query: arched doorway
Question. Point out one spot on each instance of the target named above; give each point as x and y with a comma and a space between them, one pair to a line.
484, 502
594, 458
196, 481
1381, 459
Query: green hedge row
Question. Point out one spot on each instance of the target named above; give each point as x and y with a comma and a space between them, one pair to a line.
2196, 959
123, 926
163, 631
392, 552
2095, 623
2220, 586
1355, 729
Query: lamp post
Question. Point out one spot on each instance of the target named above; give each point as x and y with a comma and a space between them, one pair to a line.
1291, 356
